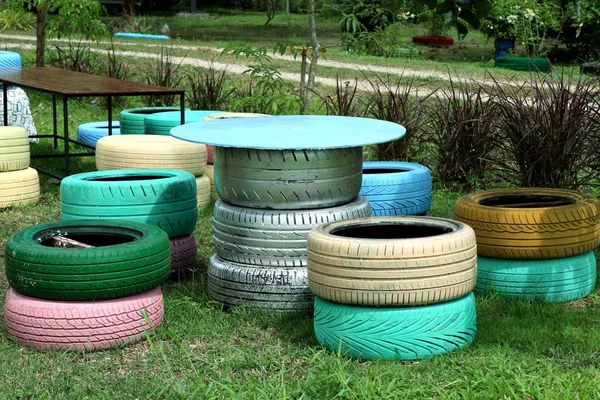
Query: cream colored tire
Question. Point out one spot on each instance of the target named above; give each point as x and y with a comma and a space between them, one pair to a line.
392, 261
203, 185
150, 151
14, 149
531, 223
209, 171
19, 188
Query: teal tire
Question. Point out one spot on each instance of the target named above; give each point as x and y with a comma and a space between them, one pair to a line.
524, 64
408, 333
556, 280
162, 123
132, 120
160, 197
127, 258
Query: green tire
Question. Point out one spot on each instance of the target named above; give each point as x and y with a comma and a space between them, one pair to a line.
555, 280
128, 258
407, 333
524, 64
161, 197
132, 120
288, 179
162, 123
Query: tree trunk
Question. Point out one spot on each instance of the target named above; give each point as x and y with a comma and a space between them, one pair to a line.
42, 22
316, 50
128, 9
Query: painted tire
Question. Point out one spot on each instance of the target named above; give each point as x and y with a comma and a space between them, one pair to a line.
19, 188
392, 261
396, 188
14, 149
160, 197
270, 237
524, 64
408, 333
161, 123
150, 151
82, 325
131, 35
129, 258
91, 132
506, 230
209, 172
557, 280
10, 59
203, 196
267, 288
184, 254
443, 41
592, 68
132, 120
288, 179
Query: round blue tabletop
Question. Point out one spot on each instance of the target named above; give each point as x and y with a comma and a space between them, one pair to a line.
290, 132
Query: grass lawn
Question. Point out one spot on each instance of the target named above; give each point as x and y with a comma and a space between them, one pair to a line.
521, 351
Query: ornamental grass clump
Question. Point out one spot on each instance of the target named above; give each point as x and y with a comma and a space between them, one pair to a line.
549, 131
345, 101
209, 89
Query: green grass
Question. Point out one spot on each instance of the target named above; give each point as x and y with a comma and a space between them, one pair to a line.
522, 350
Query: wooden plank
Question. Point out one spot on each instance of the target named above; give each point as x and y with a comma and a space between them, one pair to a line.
64, 242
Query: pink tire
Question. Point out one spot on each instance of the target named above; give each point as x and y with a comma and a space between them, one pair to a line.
184, 253
82, 325
210, 151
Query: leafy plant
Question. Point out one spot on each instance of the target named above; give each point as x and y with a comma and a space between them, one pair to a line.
208, 89
463, 134
461, 14
16, 20
581, 29
381, 42
550, 131
397, 101
166, 73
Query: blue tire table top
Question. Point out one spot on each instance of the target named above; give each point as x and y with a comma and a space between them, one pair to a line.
290, 132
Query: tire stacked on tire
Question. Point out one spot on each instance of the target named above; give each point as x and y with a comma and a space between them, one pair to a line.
19, 184
396, 188
155, 152
161, 123
89, 298
534, 244
132, 120
160, 197
269, 201
393, 287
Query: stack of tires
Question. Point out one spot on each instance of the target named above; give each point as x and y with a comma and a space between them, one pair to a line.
161, 123
396, 188
132, 120
103, 295
269, 201
19, 184
155, 152
534, 244
160, 197
396, 288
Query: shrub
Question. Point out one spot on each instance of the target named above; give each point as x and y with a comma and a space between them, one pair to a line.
550, 131
76, 56
208, 89
344, 102
16, 20
164, 72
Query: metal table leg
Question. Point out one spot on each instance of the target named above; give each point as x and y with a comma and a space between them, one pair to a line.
66, 133
182, 105
110, 127
5, 103
54, 124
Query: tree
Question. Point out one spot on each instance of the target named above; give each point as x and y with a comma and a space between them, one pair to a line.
128, 9
79, 16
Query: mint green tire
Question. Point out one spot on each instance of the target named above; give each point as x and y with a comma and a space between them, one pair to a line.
132, 120
406, 333
555, 280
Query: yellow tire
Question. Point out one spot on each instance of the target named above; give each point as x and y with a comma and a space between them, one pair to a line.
531, 223
392, 261
210, 173
203, 185
19, 187
233, 115
14, 149
150, 151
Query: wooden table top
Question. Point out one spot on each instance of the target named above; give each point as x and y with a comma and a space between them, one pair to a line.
70, 83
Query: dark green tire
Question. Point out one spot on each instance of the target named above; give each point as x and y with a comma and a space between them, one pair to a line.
407, 333
288, 179
132, 120
524, 64
555, 280
160, 197
128, 258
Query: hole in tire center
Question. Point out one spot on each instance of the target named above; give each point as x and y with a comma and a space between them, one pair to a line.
127, 178
390, 231
96, 240
152, 111
384, 171
527, 201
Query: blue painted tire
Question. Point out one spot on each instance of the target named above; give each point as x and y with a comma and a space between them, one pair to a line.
131, 35
162, 123
406, 333
10, 59
555, 280
91, 132
396, 188
132, 120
